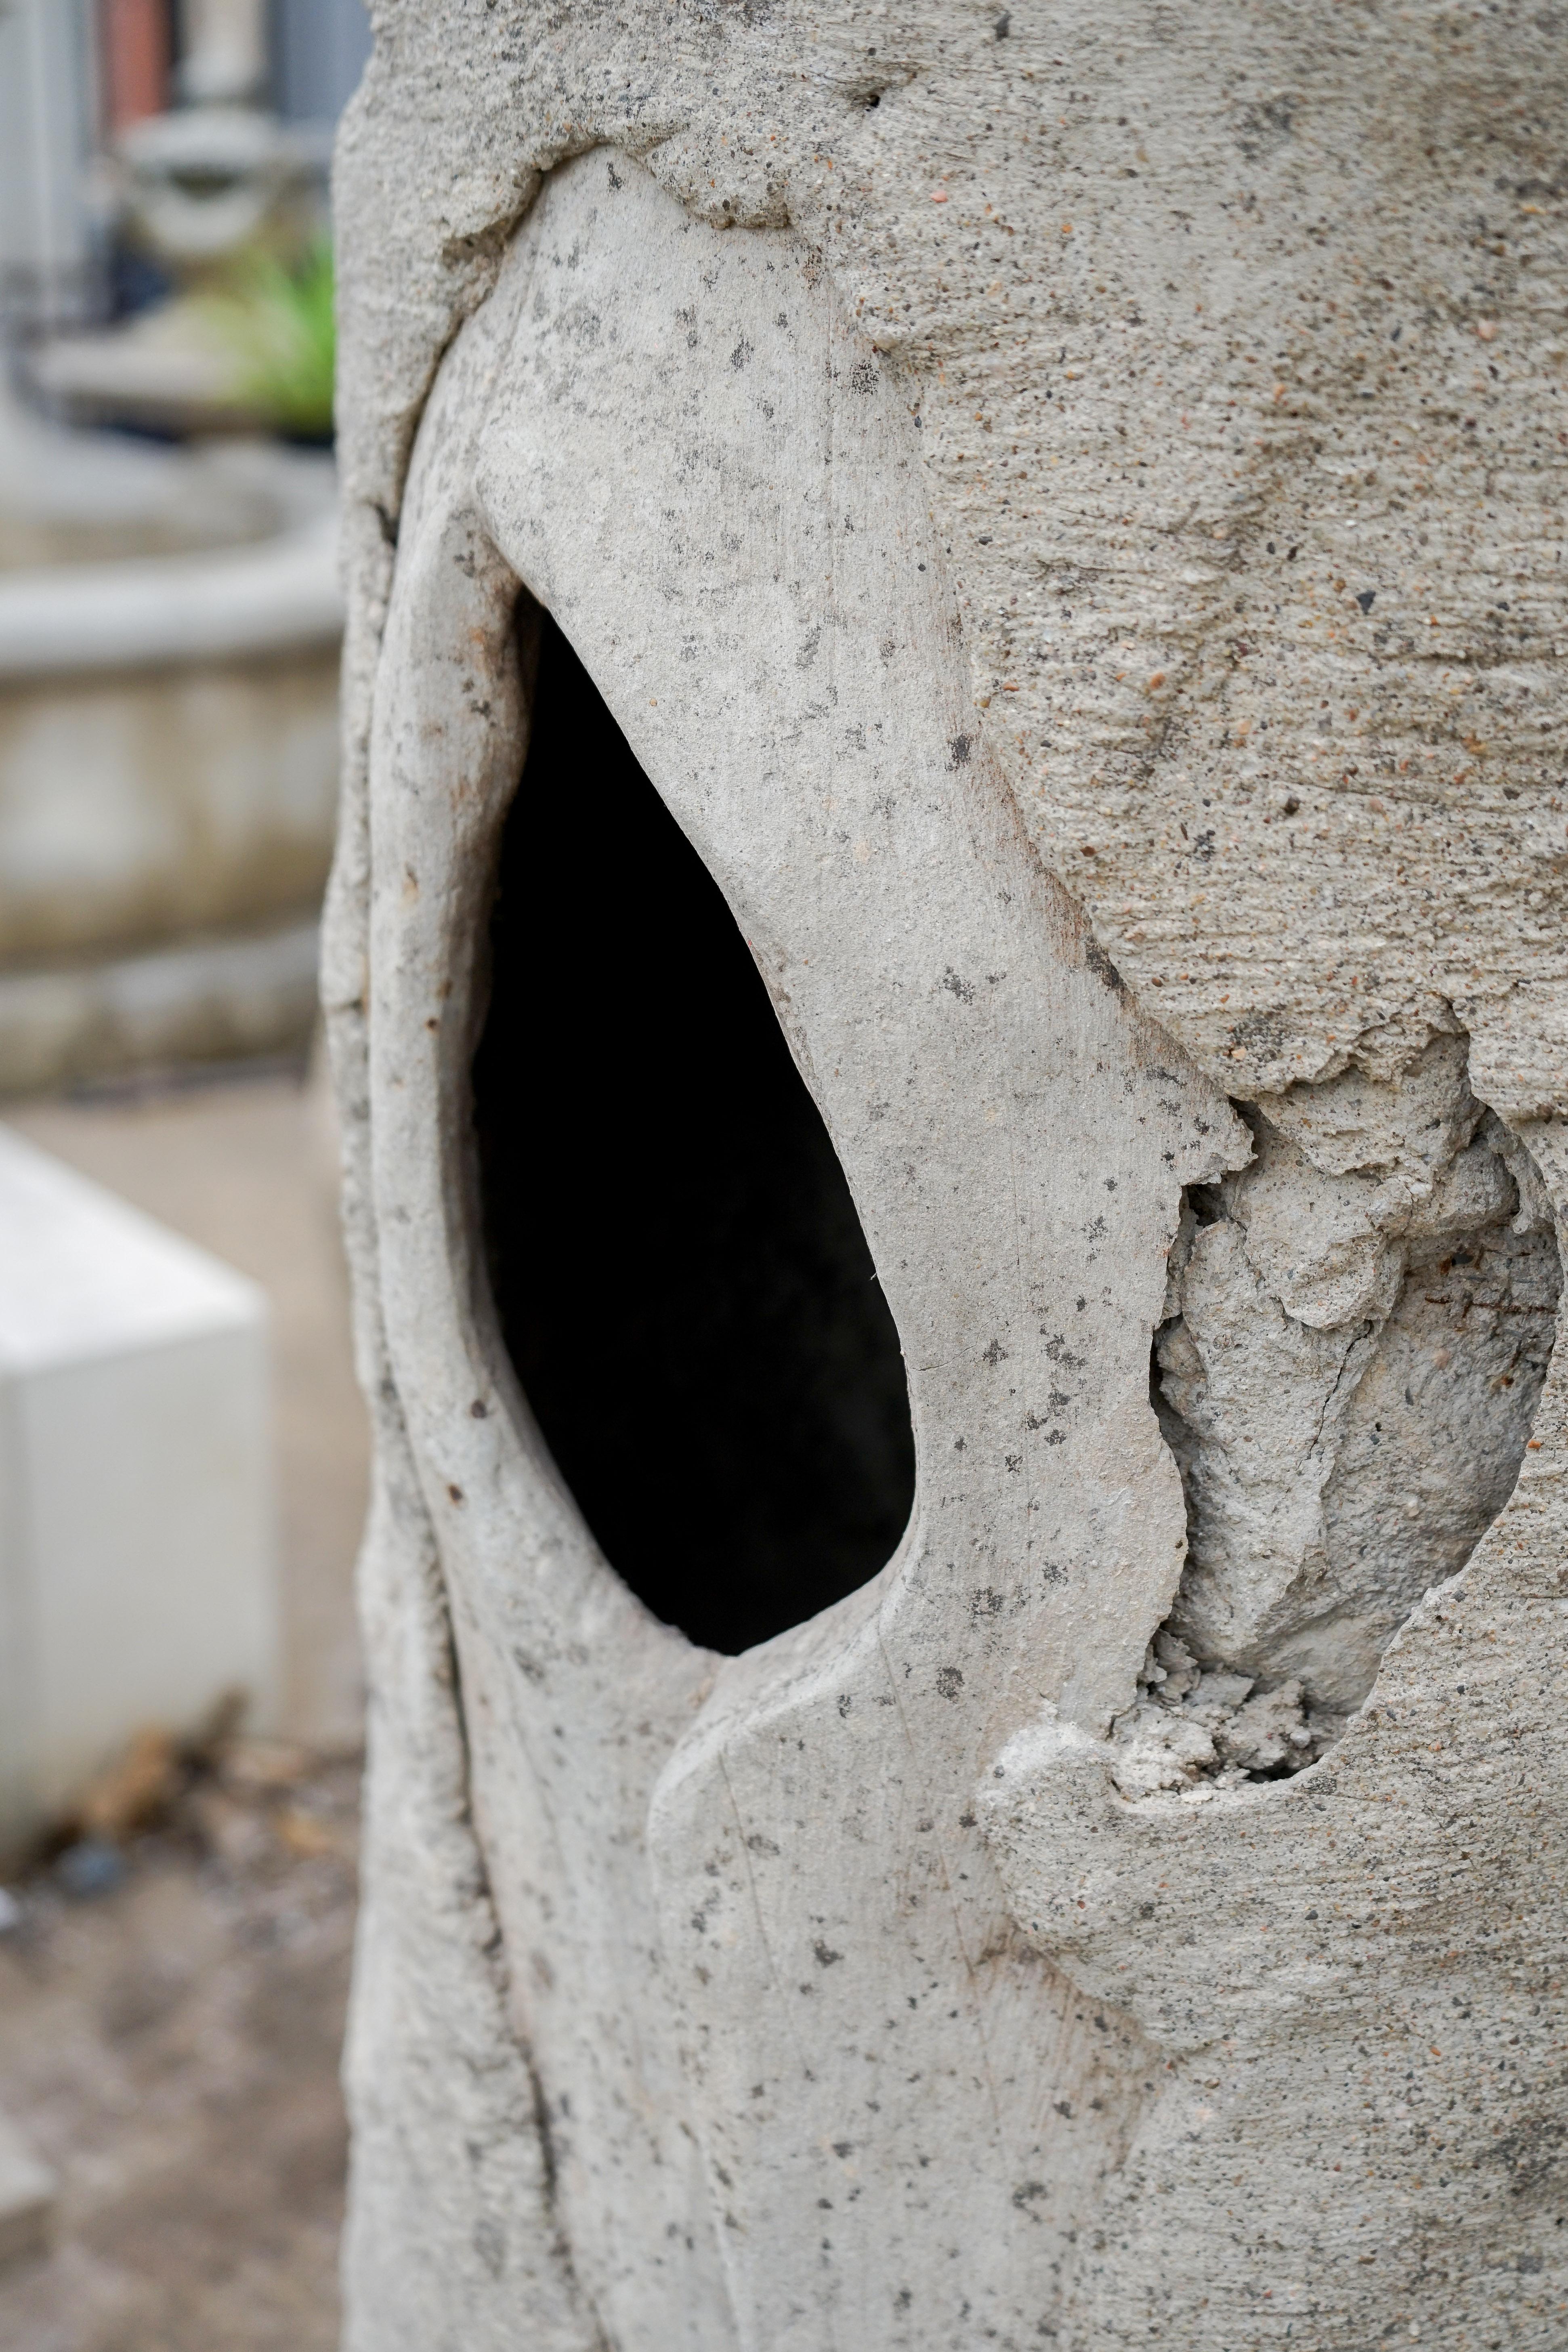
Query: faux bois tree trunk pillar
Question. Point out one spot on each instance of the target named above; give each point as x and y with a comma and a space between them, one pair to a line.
967, 1579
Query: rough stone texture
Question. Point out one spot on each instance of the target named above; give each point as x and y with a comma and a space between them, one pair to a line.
974, 454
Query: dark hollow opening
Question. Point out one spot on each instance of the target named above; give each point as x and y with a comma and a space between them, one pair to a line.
684, 1286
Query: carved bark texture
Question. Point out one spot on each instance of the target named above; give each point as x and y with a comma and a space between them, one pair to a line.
1065, 515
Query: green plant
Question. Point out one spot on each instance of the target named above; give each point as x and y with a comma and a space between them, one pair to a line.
277, 323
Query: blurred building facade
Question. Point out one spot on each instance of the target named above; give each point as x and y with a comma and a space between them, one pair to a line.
318, 50
51, 108
76, 74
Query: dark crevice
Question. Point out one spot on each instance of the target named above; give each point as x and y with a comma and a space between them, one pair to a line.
683, 1283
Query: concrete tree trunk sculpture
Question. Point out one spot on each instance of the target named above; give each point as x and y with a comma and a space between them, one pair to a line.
1064, 515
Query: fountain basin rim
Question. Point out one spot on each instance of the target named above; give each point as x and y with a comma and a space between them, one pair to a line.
281, 596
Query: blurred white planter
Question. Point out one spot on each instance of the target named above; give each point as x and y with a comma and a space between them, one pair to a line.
169, 623
137, 1570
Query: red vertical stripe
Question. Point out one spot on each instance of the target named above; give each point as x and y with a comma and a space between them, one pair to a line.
136, 46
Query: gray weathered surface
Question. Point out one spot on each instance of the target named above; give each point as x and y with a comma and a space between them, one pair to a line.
870, 1990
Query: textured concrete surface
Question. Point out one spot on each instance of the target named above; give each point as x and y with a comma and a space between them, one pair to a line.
1063, 514
1238, 355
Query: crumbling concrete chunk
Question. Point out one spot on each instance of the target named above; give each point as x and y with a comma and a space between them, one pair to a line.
1351, 1378
1392, 1108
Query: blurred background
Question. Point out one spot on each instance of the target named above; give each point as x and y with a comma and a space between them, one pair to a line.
183, 1450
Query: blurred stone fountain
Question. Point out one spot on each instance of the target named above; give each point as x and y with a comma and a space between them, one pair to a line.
169, 616
197, 193
169, 623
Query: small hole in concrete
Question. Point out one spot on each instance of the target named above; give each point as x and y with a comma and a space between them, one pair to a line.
684, 1286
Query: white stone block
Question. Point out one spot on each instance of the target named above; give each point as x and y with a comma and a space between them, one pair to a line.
137, 1566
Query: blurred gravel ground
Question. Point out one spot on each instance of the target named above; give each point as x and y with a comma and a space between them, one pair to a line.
171, 2050
172, 2047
